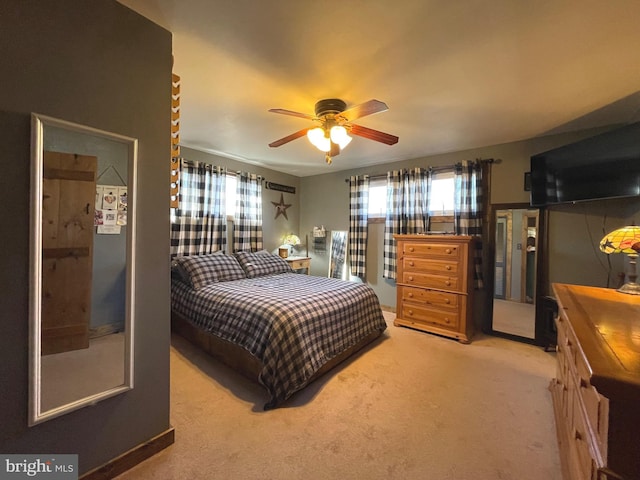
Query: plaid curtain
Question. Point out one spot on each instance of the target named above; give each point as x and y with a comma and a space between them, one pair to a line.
199, 224
337, 255
468, 209
407, 210
358, 217
247, 231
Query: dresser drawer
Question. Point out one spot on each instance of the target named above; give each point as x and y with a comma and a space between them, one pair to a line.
566, 340
581, 439
419, 264
430, 316
431, 280
429, 297
432, 250
299, 264
595, 405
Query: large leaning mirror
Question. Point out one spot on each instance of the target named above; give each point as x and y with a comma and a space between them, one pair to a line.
338, 255
82, 266
516, 240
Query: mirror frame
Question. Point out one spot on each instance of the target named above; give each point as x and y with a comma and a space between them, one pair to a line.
541, 274
38, 124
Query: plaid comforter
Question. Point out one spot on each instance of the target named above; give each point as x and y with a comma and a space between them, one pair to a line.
292, 323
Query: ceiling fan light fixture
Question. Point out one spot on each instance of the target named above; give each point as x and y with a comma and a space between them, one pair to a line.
339, 136
318, 139
335, 125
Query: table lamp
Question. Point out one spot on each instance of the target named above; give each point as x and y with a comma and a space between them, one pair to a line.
288, 242
625, 240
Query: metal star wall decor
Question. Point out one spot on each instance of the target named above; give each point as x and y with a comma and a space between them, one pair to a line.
281, 208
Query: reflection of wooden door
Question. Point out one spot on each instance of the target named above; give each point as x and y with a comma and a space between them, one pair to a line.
68, 204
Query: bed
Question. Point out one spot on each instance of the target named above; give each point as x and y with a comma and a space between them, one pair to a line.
280, 328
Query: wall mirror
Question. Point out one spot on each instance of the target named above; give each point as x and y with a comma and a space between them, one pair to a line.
82, 266
516, 250
338, 255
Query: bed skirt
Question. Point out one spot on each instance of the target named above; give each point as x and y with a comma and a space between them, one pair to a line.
240, 360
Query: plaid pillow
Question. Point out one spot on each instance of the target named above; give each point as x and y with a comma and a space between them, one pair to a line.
203, 270
262, 263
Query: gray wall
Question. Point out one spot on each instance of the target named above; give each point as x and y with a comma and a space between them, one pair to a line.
98, 64
325, 200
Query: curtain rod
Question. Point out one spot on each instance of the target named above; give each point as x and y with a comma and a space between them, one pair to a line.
438, 167
229, 172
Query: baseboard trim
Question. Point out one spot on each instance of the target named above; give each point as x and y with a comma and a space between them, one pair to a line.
131, 458
388, 308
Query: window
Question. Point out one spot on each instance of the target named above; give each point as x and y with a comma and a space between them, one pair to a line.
378, 197
441, 195
230, 198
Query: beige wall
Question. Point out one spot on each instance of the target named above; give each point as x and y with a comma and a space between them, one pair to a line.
98, 64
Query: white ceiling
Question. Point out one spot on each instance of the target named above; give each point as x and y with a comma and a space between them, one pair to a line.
456, 74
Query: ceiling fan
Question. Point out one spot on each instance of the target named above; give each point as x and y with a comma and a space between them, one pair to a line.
334, 119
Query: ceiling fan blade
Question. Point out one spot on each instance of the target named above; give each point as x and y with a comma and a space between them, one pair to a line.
292, 113
364, 109
288, 138
372, 134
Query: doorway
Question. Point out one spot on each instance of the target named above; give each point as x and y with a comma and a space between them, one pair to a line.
516, 238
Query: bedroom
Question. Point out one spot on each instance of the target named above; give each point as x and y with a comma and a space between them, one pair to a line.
50, 71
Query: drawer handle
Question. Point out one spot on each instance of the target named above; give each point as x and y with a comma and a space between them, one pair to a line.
448, 250
447, 301
446, 320
411, 249
410, 312
411, 279
448, 267
410, 295
411, 264
447, 283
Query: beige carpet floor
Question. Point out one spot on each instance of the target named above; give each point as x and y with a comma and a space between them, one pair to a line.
70, 376
413, 406
514, 317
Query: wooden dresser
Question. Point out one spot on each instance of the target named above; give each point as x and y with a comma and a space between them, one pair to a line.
596, 395
435, 284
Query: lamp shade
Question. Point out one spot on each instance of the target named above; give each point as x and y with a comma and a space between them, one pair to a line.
318, 138
622, 240
339, 136
291, 239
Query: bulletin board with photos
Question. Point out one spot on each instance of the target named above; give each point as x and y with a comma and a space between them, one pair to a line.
110, 209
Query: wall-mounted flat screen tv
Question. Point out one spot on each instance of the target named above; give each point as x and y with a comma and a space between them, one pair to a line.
599, 167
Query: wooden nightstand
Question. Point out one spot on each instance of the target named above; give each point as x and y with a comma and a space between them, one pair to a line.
298, 263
